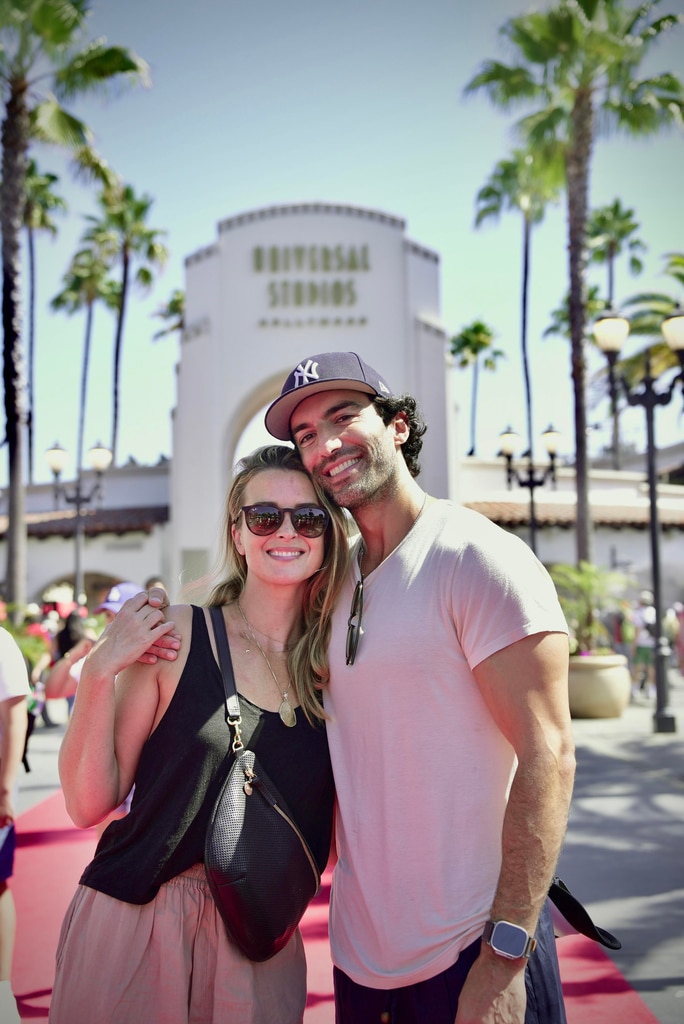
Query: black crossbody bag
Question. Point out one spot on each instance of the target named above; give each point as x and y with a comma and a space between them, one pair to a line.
260, 869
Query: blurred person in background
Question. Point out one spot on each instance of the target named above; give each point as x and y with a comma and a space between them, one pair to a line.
68, 641
66, 674
643, 661
14, 693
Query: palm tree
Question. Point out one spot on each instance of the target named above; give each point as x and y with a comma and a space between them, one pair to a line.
578, 73
560, 327
560, 317
172, 313
121, 233
611, 229
526, 182
647, 312
40, 203
85, 283
472, 346
40, 65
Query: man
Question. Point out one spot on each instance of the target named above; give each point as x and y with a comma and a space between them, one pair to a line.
14, 691
448, 726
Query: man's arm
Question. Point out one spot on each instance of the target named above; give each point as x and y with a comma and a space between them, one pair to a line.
167, 646
526, 690
13, 721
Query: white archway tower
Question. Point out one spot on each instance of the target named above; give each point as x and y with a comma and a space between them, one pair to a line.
280, 284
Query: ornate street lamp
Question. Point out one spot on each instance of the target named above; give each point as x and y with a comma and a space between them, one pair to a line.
100, 460
611, 331
508, 441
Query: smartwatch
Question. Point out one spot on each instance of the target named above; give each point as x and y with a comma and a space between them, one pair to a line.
508, 940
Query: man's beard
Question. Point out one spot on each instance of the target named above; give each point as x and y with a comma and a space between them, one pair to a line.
375, 483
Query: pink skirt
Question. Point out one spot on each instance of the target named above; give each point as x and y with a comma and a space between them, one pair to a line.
168, 962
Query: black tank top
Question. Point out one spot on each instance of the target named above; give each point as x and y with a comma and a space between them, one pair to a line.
180, 772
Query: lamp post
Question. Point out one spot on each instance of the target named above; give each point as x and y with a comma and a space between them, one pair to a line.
610, 332
508, 441
100, 460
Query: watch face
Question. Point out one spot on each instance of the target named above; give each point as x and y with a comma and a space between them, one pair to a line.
509, 939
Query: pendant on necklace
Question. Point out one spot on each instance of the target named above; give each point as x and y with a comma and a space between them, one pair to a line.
286, 712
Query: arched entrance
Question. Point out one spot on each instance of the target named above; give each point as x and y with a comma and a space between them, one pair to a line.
60, 592
278, 285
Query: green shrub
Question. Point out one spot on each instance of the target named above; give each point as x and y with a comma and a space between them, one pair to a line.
585, 591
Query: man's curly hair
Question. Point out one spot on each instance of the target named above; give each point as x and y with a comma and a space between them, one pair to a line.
387, 409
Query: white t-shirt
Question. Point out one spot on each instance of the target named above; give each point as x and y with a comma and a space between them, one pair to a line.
14, 680
643, 617
422, 773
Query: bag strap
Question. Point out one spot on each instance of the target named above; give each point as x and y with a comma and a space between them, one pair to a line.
577, 916
226, 663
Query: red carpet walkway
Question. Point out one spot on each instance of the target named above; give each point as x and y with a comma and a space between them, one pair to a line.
51, 854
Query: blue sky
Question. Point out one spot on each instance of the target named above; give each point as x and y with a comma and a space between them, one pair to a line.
261, 102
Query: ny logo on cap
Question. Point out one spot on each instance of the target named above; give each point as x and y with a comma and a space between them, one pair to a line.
305, 374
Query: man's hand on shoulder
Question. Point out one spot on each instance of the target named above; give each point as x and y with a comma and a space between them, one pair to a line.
167, 647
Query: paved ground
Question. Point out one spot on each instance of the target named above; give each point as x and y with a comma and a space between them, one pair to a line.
42, 781
624, 852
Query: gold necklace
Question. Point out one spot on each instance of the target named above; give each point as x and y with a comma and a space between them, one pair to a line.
273, 639
286, 711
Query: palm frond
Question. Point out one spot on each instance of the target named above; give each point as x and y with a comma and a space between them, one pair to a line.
89, 166
57, 21
505, 86
173, 312
51, 123
96, 66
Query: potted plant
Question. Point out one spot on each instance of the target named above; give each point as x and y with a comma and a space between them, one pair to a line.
600, 682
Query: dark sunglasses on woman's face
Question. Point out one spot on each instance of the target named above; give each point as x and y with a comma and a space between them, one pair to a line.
308, 520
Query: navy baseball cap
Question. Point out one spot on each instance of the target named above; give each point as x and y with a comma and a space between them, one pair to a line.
328, 371
117, 597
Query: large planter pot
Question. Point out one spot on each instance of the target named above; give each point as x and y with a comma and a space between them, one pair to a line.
600, 685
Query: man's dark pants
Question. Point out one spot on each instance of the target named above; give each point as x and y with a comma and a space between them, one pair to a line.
435, 1001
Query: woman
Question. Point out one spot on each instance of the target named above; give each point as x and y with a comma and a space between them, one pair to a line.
142, 939
70, 646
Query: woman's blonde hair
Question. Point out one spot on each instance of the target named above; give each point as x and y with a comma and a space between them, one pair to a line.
308, 660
